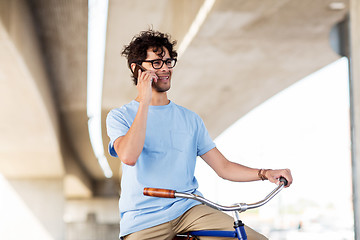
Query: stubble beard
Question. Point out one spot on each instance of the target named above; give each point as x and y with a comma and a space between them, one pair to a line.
157, 87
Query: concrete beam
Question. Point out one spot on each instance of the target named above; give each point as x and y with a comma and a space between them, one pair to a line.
31, 142
29, 145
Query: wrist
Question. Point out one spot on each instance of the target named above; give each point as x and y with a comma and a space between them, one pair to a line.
143, 99
262, 174
143, 102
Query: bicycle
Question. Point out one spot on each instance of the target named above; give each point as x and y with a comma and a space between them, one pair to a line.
239, 231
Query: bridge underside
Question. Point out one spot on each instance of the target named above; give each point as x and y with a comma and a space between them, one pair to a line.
243, 53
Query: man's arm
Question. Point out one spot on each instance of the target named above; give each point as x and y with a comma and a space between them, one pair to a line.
240, 173
130, 146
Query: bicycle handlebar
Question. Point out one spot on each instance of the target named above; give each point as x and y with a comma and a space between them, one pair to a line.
241, 207
284, 180
159, 192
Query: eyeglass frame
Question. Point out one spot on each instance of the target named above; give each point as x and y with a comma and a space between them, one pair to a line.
163, 61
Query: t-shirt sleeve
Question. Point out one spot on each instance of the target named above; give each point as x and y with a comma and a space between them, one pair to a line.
204, 143
116, 126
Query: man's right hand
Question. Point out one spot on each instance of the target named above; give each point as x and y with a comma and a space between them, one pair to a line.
144, 85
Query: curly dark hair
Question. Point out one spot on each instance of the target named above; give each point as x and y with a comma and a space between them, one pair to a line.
136, 51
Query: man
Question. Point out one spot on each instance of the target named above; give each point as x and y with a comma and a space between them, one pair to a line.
158, 142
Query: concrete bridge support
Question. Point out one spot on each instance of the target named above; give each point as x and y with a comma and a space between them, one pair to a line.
32, 209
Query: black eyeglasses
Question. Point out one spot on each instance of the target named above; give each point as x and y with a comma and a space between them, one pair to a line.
158, 63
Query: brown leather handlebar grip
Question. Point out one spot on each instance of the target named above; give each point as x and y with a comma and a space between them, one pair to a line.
158, 192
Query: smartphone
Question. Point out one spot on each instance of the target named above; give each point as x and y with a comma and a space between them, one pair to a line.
137, 68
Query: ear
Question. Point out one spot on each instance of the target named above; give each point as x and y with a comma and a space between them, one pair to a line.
132, 67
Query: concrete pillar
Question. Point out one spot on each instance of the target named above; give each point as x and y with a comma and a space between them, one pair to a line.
32, 209
355, 107
92, 219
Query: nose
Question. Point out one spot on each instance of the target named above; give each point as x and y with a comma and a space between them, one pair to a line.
164, 68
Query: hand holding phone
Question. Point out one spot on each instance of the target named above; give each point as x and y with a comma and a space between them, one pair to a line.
139, 67
143, 86
136, 70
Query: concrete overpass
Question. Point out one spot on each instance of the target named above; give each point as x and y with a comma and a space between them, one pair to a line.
242, 54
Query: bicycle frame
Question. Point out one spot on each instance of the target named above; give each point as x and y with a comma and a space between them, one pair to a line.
239, 231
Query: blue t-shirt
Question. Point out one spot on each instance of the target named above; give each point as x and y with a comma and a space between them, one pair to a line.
175, 136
